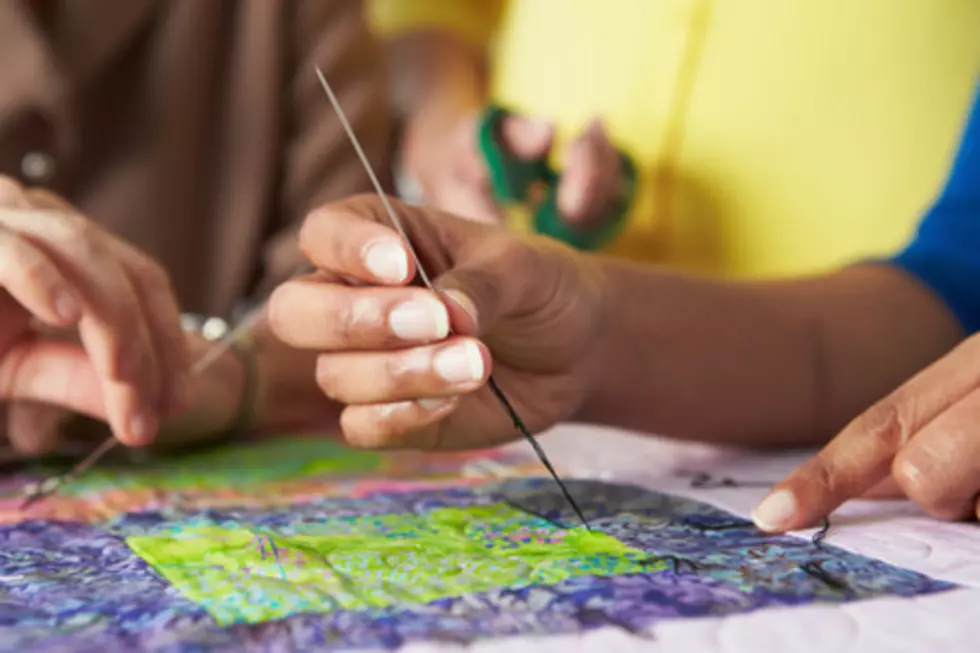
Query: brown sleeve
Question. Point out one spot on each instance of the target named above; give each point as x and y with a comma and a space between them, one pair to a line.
319, 163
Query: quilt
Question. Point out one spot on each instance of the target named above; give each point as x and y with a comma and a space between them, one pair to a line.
302, 544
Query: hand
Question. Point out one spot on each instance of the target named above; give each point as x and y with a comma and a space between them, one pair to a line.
87, 322
449, 167
533, 303
923, 439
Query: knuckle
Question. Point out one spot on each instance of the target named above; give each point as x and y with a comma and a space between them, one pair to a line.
356, 317
821, 475
889, 422
928, 490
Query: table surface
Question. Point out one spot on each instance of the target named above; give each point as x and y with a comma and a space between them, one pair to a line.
893, 531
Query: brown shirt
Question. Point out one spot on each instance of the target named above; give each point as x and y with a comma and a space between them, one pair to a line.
196, 129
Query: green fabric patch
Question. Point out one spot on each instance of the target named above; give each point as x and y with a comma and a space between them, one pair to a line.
243, 574
239, 466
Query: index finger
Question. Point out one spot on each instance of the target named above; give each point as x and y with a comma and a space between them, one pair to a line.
861, 455
347, 238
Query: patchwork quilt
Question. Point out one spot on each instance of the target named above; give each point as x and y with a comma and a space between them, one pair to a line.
302, 544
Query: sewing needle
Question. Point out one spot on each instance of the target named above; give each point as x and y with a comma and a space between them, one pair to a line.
396, 222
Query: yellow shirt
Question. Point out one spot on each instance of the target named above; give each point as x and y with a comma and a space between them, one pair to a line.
773, 137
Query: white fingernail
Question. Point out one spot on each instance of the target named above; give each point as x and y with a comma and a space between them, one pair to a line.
386, 259
460, 363
775, 511
420, 319
433, 404
384, 411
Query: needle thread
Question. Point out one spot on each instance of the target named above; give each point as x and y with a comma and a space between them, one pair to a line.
396, 222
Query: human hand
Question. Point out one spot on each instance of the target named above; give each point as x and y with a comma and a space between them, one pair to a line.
387, 353
87, 322
923, 440
449, 167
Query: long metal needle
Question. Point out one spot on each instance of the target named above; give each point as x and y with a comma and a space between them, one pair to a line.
396, 222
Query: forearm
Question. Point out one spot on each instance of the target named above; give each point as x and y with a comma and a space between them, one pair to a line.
781, 363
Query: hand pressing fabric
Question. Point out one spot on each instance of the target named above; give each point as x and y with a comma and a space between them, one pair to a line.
385, 351
88, 324
922, 440
448, 165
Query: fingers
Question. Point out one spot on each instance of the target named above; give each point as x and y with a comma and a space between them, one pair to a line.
861, 455
457, 366
346, 238
157, 301
590, 181
406, 424
53, 373
117, 325
527, 138
32, 278
310, 314
159, 304
940, 467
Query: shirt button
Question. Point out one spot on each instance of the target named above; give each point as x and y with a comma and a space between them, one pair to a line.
37, 167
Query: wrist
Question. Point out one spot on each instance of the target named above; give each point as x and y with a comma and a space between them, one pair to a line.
599, 366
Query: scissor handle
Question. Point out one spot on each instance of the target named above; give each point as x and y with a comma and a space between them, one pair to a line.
549, 222
511, 179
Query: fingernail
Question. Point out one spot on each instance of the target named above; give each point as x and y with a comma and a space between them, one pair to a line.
433, 404
67, 307
385, 411
775, 511
386, 259
460, 363
143, 427
464, 303
420, 319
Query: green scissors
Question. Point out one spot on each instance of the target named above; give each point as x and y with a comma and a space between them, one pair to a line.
513, 181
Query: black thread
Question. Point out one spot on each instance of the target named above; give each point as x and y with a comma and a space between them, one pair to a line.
821, 533
542, 456
726, 526
704, 481
535, 513
677, 563
816, 570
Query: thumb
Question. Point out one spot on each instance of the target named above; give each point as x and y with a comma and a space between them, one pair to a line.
54, 373
527, 138
484, 286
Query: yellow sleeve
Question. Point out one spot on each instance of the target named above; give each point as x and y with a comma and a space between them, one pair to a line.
473, 21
